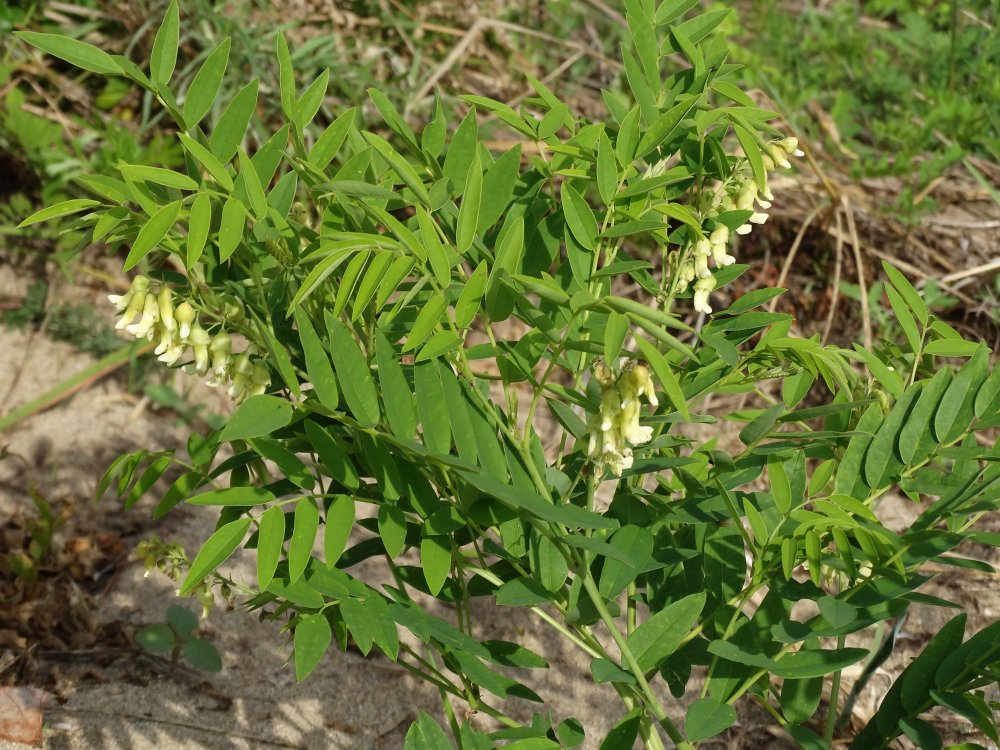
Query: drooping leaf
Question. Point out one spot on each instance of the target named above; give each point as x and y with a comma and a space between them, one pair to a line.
312, 637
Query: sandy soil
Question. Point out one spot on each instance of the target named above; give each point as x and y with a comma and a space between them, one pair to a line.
110, 694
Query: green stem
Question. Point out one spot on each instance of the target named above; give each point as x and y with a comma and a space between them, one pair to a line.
831, 714
653, 704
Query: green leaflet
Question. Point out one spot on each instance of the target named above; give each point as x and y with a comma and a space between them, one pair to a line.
337, 529
304, 528
163, 58
850, 474
311, 639
660, 635
318, 365
882, 464
73, 51
956, 410
468, 214
215, 551
397, 398
203, 89
435, 426
579, 217
471, 297
232, 126
355, 378
152, 232
270, 544
199, 224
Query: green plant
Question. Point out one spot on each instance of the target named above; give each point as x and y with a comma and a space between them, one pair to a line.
26, 563
176, 637
415, 311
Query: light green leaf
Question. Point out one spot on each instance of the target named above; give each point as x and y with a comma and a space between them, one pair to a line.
498, 187
660, 635
471, 298
215, 551
336, 532
208, 161
468, 214
397, 398
152, 232
329, 143
665, 127
707, 717
205, 86
63, 208
752, 150
665, 374
427, 320
166, 177
392, 529
286, 79
304, 528
355, 378
234, 496
318, 365
231, 226
579, 217
912, 297
258, 416
435, 425
73, 51
461, 151
333, 457
270, 543
607, 169
615, 331
311, 99
312, 637
232, 126
256, 200
164, 55
400, 166
199, 224
435, 561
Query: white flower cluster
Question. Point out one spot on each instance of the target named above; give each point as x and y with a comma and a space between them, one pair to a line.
742, 193
176, 328
615, 429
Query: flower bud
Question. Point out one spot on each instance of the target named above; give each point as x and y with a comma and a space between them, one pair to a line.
185, 315
199, 340
165, 303
702, 288
150, 315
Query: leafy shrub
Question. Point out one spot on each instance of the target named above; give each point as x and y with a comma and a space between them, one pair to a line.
398, 319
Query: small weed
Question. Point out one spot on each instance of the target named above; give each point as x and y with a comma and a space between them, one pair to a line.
176, 637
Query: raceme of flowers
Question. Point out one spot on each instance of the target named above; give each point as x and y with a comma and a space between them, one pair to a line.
742, 193
615, 428
150, 313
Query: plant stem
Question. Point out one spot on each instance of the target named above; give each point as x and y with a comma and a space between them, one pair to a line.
831, 714
653, 704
